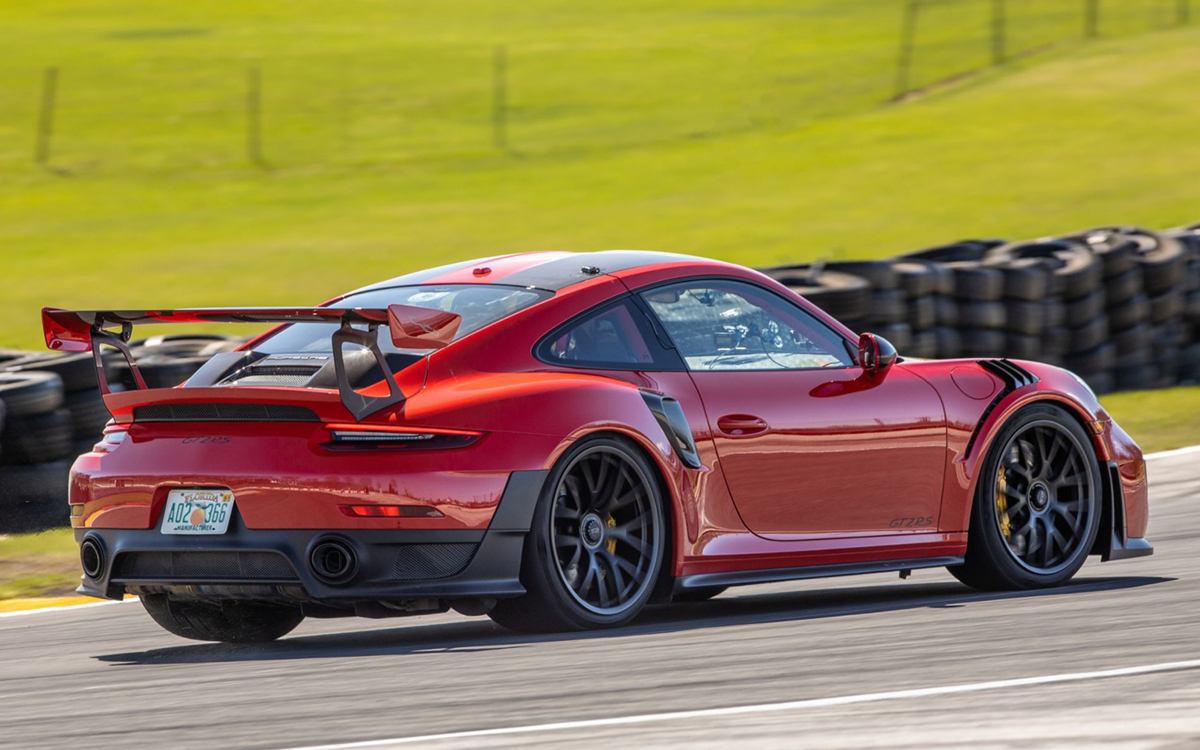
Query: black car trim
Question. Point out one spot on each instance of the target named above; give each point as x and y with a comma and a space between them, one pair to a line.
1014, 377
744, 577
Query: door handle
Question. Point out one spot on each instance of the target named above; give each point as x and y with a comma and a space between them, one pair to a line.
741, 425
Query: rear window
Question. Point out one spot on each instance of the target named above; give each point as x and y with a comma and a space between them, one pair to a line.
479, 305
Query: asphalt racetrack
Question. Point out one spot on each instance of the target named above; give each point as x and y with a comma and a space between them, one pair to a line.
1110, 661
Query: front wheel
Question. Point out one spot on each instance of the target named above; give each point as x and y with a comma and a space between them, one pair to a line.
1037, 504
596, 545
234, 621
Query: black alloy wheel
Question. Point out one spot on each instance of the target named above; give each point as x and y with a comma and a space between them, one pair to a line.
1036, 510
598, 541
1044, 497
603, 530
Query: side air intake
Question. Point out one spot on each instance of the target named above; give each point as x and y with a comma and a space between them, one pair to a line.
1014, 377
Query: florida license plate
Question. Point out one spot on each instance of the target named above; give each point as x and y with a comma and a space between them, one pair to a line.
197, 512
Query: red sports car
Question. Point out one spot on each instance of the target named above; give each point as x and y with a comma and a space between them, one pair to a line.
557, 439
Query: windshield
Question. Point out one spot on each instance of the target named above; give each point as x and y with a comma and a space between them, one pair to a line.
479, 305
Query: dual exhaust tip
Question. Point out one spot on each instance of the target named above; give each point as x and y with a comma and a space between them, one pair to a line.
331, 560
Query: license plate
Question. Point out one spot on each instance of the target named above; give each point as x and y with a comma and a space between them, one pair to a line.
197, 512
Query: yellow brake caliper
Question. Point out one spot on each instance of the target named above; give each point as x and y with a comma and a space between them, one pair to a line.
1002, 502
612, 543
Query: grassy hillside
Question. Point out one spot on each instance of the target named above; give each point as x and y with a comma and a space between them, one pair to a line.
754, 132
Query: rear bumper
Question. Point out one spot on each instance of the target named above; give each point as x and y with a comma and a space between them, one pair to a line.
392, 565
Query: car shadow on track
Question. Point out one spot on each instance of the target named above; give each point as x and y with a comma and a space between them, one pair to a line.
480, 634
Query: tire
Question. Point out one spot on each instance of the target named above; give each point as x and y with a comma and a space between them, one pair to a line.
1027, 279
982, 342
1169, 304
1027, 318
77, 370
1124, 287
1191, 307
947, 311
1021, 346
966, 250
878, 273
1168, 362
1089, 336
1020, 559
692, 596
563, 514
843, 296
231, 621
887, 306
924, 345
1129, 314
1100, 359
1189, 363
1074, 269
1131, 339
27, 393
977, 282
1163, 266
33, 497
1102, 383
899, 335
1171, 335
921, 313
918, 279
981, 315
88, 413
949, 343
161, 371
1135, 377
1056, 342
1083, 310
37, 438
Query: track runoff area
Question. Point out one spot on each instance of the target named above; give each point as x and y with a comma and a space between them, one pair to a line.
1110, 659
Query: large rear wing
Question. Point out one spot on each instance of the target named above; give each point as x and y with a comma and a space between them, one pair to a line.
411, 328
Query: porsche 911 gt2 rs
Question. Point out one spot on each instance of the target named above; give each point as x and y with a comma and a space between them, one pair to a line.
557, 439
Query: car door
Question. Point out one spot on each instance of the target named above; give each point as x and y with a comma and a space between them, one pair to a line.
809, 445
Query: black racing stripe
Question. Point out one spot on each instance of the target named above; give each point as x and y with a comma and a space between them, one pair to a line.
563, 272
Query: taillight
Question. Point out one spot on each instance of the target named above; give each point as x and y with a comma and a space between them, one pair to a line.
387, 436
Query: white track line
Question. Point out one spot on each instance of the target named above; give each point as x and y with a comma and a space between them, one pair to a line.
761, 708
43, 610
1175, 452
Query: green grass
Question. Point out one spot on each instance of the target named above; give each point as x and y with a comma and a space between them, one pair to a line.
754, 132
44, 564
1158, 420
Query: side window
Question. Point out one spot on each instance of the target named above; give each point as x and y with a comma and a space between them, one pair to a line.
617, 336
731, 325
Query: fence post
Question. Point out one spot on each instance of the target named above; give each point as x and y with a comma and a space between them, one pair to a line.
1091, 20
999, 23
904, 60
254, 117
46, 116
500, 97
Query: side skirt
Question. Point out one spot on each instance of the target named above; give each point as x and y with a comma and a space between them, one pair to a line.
746, 577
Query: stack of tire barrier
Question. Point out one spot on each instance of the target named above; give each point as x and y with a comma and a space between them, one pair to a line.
51, 411
1119, 306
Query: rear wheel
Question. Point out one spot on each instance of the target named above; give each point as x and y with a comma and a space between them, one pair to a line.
596, 546
1037, 504
232, 621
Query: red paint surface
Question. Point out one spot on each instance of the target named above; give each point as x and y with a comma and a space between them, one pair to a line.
840, 458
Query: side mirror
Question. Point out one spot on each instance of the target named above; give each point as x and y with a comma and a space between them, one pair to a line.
421, 327
875, 353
